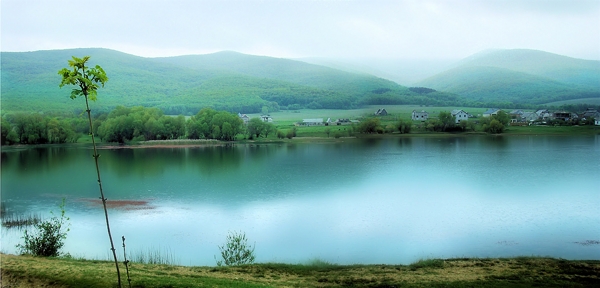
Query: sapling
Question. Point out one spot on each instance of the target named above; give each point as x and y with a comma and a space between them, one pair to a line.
87, 81
236, 250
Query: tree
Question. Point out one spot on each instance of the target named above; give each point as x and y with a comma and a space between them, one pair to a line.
371, 125
404, 126
447, 120
87, 81
8, 134
495, 127
280, 134
268, 128
255, 127
502, 117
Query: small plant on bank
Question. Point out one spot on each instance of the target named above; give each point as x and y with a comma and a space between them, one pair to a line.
236, 251
48, 236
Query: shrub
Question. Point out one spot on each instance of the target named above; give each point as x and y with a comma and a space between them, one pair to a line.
48, 236
236, 251
280, 134
404, 126
290, 134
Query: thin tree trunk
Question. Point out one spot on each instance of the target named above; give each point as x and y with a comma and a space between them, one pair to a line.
96, 155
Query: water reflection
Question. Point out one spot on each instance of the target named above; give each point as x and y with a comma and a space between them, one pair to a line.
366, 200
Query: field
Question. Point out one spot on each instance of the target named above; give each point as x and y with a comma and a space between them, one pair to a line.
285, 120
288, 117
27, 271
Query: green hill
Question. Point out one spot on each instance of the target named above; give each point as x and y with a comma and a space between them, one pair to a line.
520, 76
183, 85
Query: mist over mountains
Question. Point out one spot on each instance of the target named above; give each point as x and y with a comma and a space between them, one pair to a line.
245, 83
183, 85
519, 76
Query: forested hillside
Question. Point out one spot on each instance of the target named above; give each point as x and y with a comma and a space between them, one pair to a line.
520, 77
183, 85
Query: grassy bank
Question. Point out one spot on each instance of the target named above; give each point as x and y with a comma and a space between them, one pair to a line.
26, 271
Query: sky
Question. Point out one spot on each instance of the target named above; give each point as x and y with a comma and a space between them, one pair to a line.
402, 29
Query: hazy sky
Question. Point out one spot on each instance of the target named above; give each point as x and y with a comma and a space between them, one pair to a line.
403, 29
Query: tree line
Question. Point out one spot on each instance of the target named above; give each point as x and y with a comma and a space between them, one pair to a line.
125, 124
445, 122
34, 128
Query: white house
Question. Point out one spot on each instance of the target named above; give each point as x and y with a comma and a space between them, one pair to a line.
459, 115
419, 116
244, 118
266, 118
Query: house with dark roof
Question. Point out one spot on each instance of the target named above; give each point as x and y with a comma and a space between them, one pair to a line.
266, 118
381, 112
562, 115
529, 117
543, 114
491, 112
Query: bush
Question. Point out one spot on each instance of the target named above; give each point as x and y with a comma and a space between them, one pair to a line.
404, 126
280, 134
48, 237
236, 251
289, 134
495, 127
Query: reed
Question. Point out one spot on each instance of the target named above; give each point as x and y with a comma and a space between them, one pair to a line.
14, 220
153, 256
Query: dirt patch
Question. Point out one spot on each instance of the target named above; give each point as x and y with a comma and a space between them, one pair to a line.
127, 205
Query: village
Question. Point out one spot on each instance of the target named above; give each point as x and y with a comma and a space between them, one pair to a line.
518, 117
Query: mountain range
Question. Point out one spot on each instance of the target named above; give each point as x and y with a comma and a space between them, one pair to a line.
520, 76
246, 83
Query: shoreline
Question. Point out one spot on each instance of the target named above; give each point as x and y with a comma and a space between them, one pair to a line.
193, 143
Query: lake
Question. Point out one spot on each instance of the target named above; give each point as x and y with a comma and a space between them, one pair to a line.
384, 201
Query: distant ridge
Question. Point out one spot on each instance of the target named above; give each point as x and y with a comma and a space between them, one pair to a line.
520, 76
185, 84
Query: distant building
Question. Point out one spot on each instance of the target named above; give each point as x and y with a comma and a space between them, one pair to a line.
491, 112
529, 117
311, 122
244, 118
459, 115
381, 112
543, 114
562, 115
590, 112
266, 118
419, 116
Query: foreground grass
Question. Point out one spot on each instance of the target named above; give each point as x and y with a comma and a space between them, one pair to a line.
27, 271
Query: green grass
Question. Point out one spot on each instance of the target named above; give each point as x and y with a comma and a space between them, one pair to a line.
289, 117
30, 271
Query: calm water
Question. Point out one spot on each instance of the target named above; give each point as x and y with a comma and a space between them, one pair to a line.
363, 201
